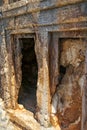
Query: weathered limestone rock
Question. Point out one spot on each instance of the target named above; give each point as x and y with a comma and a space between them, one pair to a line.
24, 118
68, 107
72, 52
43, 90
49, 21
5, 123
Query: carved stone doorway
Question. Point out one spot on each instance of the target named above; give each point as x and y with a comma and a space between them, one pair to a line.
28, 88
68, 56
26, 70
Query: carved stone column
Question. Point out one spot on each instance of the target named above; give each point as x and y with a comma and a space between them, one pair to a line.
43, 90
53, 62
5, 79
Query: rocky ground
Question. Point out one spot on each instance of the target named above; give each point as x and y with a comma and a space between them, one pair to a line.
5, 123
20, 116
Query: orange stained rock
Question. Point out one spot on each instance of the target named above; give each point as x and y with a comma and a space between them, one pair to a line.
55, 122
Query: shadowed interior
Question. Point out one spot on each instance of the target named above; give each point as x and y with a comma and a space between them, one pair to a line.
27, 93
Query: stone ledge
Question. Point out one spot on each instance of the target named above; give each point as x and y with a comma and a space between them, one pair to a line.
23, 118
35, 3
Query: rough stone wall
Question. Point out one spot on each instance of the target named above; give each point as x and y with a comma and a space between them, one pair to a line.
68, 17
5, 123
71, 85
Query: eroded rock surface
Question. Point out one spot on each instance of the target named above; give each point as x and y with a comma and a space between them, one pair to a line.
67, 101
5, 123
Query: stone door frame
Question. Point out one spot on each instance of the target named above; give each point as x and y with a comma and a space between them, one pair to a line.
42, 40
53, 78
18, 61
8, 79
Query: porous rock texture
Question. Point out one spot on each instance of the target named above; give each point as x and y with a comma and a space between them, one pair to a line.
48, 22
5, 123
68, 107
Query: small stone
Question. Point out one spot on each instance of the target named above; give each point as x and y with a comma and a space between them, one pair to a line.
20, 107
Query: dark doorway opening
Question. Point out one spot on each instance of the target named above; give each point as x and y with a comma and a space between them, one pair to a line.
27, 93
62, 69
